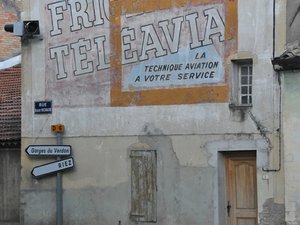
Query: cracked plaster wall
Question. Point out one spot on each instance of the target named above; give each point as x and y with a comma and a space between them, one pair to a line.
272, 214
189, 140
291, 115
97, 190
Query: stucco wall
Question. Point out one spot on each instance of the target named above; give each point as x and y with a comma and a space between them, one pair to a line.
291, 143
189, 124
10, 12
292, 21
97, 190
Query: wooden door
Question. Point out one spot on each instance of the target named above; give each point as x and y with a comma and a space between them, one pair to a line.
241, 188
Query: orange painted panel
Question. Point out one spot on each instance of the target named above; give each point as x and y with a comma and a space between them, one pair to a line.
138, 52
165, 4
166, 95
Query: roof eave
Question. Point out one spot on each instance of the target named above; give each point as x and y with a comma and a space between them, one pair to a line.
285, 64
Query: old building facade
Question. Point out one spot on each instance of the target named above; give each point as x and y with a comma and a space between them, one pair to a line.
10, 145
287, 67
10, 117
172, 108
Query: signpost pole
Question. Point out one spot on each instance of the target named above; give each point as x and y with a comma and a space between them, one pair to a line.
58, 130
59, 200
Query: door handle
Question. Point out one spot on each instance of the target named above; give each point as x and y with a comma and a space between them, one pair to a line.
228, 208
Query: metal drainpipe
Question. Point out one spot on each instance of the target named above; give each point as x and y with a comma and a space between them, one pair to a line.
280, 100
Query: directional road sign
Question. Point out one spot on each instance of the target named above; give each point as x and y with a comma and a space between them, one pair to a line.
48, 150
52, 167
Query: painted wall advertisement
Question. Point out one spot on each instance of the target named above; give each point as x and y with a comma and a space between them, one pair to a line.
108, 57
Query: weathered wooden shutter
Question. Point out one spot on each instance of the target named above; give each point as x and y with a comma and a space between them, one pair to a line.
143, 185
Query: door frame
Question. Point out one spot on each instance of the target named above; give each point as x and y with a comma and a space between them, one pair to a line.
222, 182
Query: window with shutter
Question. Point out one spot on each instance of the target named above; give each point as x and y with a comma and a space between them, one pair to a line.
143, 185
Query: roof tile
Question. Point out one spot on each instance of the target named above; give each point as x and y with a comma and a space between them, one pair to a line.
10, 104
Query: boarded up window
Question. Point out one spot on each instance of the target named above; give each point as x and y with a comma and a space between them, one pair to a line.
143, 185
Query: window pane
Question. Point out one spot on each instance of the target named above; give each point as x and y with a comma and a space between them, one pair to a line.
250, 80
244, 80
250, 70
244, 70
244, 100
244, 90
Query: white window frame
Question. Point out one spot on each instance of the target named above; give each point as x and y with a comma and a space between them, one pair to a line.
245, 83
242, 85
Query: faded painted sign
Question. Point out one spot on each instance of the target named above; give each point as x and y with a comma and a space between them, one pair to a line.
100, 54
78, 51
173, 48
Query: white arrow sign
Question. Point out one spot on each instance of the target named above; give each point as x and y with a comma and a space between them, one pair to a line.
48, 150
52, 167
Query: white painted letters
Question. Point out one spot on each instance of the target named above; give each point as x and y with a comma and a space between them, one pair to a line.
56, 11
145, 40
173, 42
151, 42
128, 38
79, 14
58, 54
215, 26
101, 53
80, 50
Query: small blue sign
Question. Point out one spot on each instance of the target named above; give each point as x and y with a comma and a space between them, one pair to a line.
43, 107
